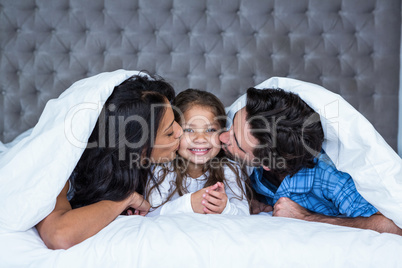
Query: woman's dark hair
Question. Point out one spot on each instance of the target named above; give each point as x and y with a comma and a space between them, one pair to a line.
289, 132
183, 102
106, 170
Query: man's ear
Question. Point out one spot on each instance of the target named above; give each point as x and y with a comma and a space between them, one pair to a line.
266, 168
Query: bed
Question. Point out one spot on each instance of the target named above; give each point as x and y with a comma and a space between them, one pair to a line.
340, 50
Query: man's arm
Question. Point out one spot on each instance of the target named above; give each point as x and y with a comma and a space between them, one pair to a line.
65, 227
285, 207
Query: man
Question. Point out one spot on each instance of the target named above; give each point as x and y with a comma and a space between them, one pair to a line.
281, 136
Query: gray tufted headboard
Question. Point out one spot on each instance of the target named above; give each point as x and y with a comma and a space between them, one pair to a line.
351, 47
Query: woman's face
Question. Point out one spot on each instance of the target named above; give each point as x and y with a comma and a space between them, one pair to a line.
167, 138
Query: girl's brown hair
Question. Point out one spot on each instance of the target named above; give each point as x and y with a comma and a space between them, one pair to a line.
215, 166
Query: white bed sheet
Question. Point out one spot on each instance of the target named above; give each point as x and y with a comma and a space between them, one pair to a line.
194, 240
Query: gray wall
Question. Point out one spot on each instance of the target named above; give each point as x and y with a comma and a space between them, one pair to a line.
400, 107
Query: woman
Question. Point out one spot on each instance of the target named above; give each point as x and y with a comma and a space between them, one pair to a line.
136, 128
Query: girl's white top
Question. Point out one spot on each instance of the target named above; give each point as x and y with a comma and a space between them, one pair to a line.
236, 205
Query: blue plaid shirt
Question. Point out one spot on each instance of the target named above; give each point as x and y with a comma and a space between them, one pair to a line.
322, 189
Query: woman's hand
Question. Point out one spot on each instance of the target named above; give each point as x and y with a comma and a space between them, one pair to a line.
137, 205
65, 227
215, 199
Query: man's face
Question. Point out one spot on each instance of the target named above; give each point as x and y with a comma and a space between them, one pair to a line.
238, 142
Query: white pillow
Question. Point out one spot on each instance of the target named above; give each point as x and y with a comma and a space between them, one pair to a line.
352, 143
35, 168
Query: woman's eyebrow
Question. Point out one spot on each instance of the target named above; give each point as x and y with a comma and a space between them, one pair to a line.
171, 124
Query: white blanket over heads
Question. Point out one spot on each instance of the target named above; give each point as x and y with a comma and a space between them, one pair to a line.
34, 170
35, 167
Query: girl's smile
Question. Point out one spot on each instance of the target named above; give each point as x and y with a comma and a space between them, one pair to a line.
199, 151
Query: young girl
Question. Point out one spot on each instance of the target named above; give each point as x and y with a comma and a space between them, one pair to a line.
200, 179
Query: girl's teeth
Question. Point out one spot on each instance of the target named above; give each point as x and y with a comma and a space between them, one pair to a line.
199, 150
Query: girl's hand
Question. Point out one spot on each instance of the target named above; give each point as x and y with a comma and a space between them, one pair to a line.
215, 199
137, 205
196, 199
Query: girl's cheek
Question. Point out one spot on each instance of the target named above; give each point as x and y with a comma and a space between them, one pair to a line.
183, 142
216, 142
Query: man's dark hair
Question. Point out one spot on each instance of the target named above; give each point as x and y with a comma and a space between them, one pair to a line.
286, 128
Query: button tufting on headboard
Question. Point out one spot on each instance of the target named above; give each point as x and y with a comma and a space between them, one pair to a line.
349, 46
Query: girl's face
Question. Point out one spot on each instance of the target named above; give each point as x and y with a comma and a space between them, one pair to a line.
200, 141
167, 138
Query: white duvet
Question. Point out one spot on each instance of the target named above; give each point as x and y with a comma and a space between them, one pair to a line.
35, 167
193, 240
